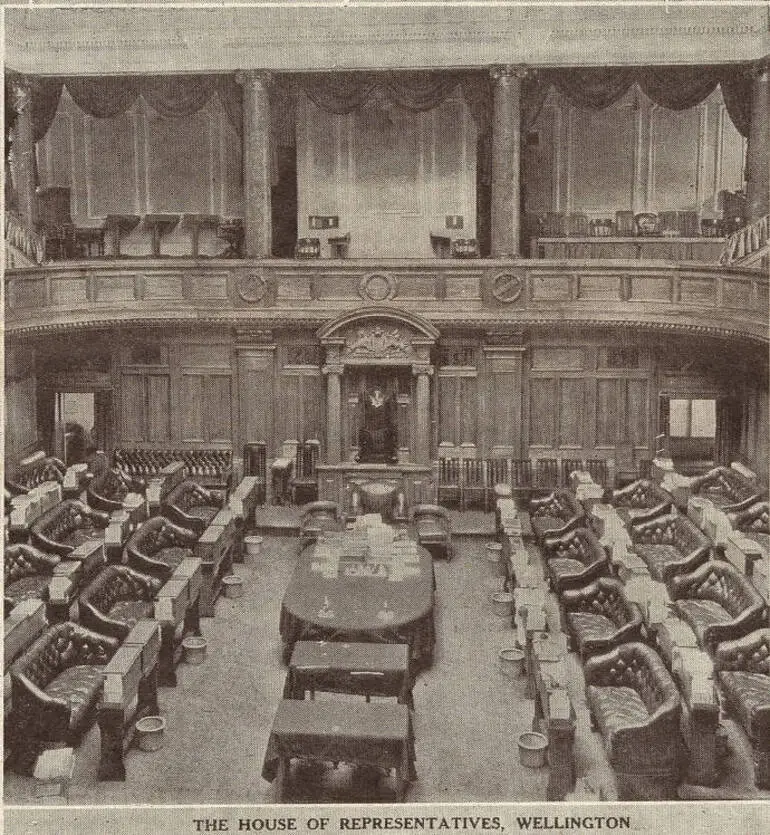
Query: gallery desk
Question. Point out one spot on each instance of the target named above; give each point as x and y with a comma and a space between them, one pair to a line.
386, 598
377, 734
364, 669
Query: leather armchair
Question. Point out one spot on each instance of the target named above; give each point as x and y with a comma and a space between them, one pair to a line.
158, 546
669, 545
636, 706
555, 514
319, 516
191, 506
116, 599
726, 488
743, 671
56, 684
30, 476
599, 616
718, 602
574, 559
107, 490
27, 574
434, 530
641, 500
752, 519
69, 524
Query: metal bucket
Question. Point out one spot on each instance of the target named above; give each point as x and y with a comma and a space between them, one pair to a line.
494, 551
253, 545
502, 604
512, 662
194, 649
232, 585
149, 733
533, 748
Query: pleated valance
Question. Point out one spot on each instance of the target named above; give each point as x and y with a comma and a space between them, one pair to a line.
676, 88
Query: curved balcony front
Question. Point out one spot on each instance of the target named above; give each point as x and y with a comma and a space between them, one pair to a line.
677, 297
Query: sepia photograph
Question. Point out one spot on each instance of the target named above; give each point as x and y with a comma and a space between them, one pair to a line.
386, 417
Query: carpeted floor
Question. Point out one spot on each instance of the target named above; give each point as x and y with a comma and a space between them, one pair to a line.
467, 721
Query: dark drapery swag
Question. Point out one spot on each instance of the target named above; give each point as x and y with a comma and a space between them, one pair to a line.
672, 87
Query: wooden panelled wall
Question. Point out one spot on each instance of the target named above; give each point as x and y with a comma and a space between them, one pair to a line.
20, 403
569, 394
140, 162
633, 155
390, 175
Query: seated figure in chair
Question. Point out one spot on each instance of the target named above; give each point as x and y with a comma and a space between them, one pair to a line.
378, 439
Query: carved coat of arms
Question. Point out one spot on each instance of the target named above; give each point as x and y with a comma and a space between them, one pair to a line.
378, 341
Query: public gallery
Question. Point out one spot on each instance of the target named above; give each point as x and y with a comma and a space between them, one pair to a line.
386, 404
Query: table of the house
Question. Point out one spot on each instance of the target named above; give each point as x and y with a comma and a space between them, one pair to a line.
378, 734
359, 586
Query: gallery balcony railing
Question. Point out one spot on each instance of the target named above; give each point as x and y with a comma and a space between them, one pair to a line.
749, 246
482, 293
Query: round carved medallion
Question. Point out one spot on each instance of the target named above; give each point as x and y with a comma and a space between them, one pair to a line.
251, 287
506, 287
378, 287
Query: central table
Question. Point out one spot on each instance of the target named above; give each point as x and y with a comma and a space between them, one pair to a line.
377, 734
366, 669
357, 586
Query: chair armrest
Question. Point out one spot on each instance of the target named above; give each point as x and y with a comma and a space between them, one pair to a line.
52, 714
684, 566
745, 504
568, 527
748, 620
98, 621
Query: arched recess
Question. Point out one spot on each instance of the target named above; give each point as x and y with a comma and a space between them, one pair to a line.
382, 338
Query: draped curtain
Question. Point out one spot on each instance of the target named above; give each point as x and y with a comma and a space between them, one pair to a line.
674, 87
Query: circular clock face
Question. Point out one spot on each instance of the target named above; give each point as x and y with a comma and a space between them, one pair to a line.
377, 287
251, 287
506, 287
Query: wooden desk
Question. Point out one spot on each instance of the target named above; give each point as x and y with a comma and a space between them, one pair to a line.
342, 667
117, 226
130, 692
177, 607
341, 731
675, 248
159, 225
694, 672
554, 716
195, 223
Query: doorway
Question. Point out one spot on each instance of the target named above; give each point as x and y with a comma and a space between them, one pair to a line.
76, 423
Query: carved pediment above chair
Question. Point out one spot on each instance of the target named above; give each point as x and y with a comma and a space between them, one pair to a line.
378, 341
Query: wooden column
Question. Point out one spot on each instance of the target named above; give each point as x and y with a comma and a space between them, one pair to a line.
24, 151
256, 163
333, 374
422, 413
506, 158
758, 153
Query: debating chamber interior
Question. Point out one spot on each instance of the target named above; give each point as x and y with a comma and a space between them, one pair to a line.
361, 386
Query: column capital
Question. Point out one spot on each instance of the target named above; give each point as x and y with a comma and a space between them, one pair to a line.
759, 67
262, 77
21, 93
500, 72
419, 368
333, 368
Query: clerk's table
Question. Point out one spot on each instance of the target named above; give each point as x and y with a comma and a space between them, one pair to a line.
362, 586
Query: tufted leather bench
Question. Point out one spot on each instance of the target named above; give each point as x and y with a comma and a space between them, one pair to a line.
555, 514
116, 599
669, 545
27, 574
191, 506
743, 672
56, 684
599, 616
641, 500
635, 704
574, 559
63, 528
718, 603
